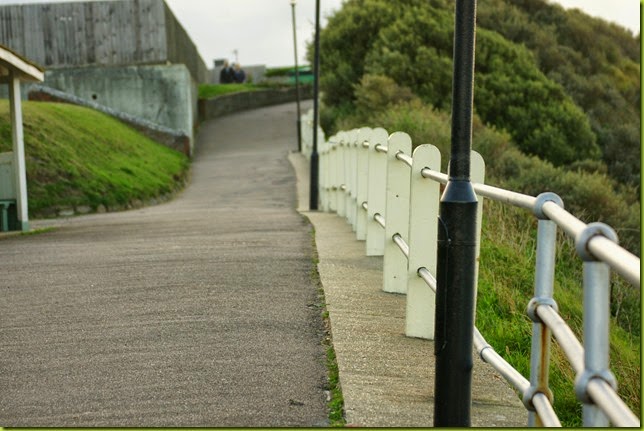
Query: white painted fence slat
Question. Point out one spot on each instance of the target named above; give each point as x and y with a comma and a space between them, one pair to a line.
423, 236
375, 245
364, 135
397, 214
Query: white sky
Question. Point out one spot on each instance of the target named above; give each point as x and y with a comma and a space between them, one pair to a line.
261, 30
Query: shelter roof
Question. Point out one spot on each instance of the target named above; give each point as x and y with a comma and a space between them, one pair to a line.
25, 69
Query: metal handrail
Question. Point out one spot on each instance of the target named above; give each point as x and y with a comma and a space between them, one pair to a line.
381, 148
379, 219
602, 246
404, 158
611, 404
622, 261
567, 340
402, 245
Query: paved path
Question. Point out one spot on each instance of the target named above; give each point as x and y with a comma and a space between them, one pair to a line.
198, 312
202, 311
387, 378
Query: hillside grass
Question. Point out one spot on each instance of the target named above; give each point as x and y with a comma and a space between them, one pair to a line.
80, 157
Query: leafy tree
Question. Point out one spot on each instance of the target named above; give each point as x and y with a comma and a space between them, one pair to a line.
602, 77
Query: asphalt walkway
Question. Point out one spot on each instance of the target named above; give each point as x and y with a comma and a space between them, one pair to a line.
198, 312
204, 311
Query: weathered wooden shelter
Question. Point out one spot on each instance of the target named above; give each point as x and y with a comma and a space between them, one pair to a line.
13, 171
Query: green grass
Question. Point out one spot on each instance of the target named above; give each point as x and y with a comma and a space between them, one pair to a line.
208, 91
79, 157
336, 401
38, 231
506, 284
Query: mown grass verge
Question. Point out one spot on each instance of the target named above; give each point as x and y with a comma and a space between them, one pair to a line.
208, 91
78, 157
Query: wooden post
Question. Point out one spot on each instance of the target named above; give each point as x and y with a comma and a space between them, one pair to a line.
423, 234
18, 151
376, 202
397, 214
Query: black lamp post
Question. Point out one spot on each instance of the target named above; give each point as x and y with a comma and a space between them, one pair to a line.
455, 295
313, 195
297, 80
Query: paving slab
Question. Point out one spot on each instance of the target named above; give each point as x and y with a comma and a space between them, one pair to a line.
387, 379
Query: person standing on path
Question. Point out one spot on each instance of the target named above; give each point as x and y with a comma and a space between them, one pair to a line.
227, 74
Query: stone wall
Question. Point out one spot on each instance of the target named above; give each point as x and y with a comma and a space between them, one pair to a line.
229, 103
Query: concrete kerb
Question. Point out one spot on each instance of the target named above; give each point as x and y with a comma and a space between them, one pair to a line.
387, 379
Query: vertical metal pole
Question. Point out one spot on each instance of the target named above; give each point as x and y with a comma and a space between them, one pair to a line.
596, 332
596, 324
313, 195
543, 291
457, 242
297, 81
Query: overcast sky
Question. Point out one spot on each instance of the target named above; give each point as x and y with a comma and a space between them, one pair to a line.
261, 30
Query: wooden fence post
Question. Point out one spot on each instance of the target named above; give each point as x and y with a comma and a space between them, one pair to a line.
397, 214
423, 236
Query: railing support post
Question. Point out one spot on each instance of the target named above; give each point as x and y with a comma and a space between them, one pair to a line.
596, 324
543, 296
457, 243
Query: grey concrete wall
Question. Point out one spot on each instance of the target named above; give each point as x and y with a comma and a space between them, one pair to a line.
164, 95
229, 103
171, 138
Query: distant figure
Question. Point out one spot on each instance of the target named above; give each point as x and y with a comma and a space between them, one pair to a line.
240, 75
227, 74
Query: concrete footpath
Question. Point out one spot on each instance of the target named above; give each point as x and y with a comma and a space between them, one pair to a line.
387, 379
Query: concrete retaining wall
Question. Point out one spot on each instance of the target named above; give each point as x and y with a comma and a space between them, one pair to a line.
229, 103
164, 95
170, 138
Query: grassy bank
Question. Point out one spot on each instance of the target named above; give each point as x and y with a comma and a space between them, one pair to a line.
77, 157
208, 91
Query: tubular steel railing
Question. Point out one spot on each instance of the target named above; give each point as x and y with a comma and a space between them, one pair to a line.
373, 180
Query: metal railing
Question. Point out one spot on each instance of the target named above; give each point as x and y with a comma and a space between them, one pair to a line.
391, 196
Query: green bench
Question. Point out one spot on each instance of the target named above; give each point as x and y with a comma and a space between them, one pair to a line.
4, 213
7, 188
